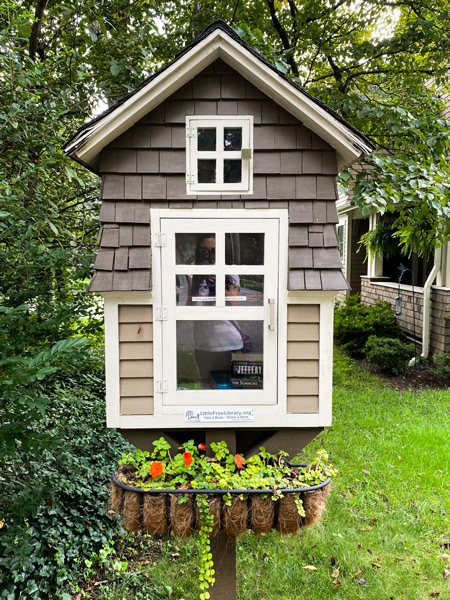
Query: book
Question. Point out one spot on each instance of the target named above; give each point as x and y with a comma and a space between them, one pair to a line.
246, 383
246, 368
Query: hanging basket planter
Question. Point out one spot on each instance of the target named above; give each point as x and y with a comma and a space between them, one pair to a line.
159, 511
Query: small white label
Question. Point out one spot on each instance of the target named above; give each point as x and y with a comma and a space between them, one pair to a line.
203, 298
218, 415
236, 299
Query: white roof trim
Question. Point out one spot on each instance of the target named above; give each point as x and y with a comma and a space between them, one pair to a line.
86, 147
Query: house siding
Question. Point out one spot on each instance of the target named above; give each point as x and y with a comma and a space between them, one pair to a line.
303, 358
136, 359
145, 167
411, 320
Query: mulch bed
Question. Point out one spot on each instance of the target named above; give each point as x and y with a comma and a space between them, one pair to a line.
417, 378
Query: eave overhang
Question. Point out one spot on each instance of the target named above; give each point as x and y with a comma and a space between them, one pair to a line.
218, 41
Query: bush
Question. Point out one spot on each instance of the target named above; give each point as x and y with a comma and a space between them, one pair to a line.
389, 353
355, 322
441, 365
54, 502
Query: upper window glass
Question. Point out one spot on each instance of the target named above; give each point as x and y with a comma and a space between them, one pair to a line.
219, 155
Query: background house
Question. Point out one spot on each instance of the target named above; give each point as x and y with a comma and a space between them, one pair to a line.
376, 277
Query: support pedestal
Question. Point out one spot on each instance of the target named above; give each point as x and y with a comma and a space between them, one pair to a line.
223, 548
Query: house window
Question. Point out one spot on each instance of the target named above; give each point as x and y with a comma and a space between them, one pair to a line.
219, 154
341, 239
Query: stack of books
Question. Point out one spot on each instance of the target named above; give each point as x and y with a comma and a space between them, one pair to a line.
246, 371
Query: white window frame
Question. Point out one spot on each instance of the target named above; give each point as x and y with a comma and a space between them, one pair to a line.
221, 311
193, 122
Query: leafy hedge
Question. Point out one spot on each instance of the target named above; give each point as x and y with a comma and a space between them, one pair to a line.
372, 333
390, 354
355, 322
54, 502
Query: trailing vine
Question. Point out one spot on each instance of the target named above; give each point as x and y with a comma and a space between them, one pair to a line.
206, 575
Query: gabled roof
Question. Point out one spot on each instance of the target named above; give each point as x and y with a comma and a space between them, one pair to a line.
217, 41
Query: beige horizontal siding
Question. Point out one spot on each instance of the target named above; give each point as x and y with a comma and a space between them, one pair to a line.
136, 368
135, 351
135, 332
303, 358
136, 359
136, 406
134, 313
303, 368
136, 386
302, 350
303, 404
303, 313
303, 331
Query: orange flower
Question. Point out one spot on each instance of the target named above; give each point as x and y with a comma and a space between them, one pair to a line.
239, 460
187, 458
156, 469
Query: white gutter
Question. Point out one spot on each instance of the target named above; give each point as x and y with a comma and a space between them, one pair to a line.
427, 306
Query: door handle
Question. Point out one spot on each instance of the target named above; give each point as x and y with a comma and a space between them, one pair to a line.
271, 314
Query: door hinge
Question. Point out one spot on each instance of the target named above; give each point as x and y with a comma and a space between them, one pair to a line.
190, 178
160, 240
161, 386
190, 132
161, 313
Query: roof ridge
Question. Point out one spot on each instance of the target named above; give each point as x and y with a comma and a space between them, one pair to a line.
218, 24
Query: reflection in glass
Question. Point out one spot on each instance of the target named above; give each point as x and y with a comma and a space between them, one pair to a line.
232, 171
195, 248
196, 290
206, 171
244, 248
226, 355
244, 290
206, 139
232, 138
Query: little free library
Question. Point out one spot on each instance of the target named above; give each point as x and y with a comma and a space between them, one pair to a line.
218, 259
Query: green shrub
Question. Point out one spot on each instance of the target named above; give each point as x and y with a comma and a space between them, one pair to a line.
389, 353
441, 364
355, 322
54, 512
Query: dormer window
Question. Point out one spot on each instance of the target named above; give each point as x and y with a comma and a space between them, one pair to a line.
219, 155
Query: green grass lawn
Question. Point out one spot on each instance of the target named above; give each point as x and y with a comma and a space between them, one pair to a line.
386, 532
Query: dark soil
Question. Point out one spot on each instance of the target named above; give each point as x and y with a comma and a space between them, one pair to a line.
419, 377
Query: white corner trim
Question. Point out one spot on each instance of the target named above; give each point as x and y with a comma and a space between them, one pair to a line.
326, 362
112, 362
87, 146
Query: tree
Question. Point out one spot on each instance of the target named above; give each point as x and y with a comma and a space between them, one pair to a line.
383, 66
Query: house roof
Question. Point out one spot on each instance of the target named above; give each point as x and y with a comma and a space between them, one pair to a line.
217, 41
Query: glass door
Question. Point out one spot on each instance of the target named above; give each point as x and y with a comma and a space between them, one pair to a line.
220, 289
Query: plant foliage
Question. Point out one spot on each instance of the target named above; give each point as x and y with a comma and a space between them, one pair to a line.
389, 353
192, 469
355, 322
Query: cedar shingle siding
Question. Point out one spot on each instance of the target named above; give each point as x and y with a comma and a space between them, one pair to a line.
145, 167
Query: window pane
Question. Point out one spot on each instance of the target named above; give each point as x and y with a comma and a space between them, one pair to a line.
195, 248
220, 355
206, 139
244, 248
232, 138
206, 171
232, 171
196, 290
244, 290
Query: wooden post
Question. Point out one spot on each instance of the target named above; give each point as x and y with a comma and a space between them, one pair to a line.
223, 548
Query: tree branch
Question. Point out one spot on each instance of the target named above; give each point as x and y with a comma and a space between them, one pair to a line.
283, 36
36, 28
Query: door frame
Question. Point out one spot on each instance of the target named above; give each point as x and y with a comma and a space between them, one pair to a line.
164, 405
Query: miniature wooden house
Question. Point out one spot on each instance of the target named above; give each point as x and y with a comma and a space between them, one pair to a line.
218, 258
